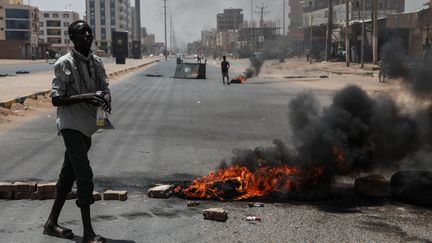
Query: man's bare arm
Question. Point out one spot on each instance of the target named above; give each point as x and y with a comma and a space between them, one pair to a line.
90, 98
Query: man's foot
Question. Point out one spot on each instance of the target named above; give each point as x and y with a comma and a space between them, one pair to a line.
95, 239
58, 231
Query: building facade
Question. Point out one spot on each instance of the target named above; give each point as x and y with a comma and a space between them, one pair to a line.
53, 29
319, 10
106, 16
16, 29
230, 19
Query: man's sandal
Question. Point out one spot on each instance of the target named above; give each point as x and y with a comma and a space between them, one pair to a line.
59, 231
96, 239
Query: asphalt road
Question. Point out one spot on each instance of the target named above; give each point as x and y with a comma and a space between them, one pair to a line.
173, 130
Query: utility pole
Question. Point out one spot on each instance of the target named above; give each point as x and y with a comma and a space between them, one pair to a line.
310, 31
363, 36
171, 34
375, 31
262, 13
347, 34
251, 20
283, 19
165, 24
329, 30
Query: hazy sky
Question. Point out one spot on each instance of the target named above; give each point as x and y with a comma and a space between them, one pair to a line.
189, 16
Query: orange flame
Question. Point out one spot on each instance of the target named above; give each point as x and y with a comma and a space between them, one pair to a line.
264, 181
241, 78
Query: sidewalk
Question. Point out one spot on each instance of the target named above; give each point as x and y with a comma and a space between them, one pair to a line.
16, 87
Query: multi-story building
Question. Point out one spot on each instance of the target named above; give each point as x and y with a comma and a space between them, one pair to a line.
16, 29
230, 19
53, 29
295, 16
106, 16
319, 9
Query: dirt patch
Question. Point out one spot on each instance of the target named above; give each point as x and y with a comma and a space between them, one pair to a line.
20, 113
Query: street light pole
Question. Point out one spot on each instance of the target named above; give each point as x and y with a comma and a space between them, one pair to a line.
311, 32
363, 36
347, 30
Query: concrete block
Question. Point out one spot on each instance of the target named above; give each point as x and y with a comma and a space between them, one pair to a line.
161, 191
24, 195
6, 195
217, 214
29, 186
97, 196
46, 187
115, 195
6, 187
45, 195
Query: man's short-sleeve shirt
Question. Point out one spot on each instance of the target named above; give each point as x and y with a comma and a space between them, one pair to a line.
73, 76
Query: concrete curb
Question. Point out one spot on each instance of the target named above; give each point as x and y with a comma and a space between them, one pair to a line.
8, 103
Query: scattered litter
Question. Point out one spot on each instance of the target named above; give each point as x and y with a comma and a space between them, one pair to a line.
154, 75
323, 76
198, 102
193, 204
217, 214
256, 205
253, 218
22, 72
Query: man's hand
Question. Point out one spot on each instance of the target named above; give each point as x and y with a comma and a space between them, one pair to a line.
107, 102
92, 98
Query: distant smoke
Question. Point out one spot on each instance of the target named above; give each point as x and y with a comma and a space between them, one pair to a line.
270, 50
355, 133
416, 73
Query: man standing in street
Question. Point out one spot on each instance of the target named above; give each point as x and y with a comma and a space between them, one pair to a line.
79, 75
225, 66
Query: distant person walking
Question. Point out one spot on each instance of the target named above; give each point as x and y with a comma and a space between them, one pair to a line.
225, 66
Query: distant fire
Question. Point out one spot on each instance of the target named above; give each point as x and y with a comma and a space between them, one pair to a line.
239, 79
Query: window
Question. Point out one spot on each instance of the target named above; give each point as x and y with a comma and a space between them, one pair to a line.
41, 32
17, 35
17, 13
66, 33
67, 41
18, 24
65, 24
66, 16
53, 31
46, 15
41, 24
55, 15
54, 40
53, 23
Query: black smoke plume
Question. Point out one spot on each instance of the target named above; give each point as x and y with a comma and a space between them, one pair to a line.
355, 133
416, 72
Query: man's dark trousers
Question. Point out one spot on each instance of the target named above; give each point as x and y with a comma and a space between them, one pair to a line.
76, 166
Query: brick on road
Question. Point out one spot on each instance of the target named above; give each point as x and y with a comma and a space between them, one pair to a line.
97, 196
218, 214
6, 190
115, 195
161, 191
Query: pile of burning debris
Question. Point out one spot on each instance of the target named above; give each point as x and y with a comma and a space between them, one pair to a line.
356, 134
